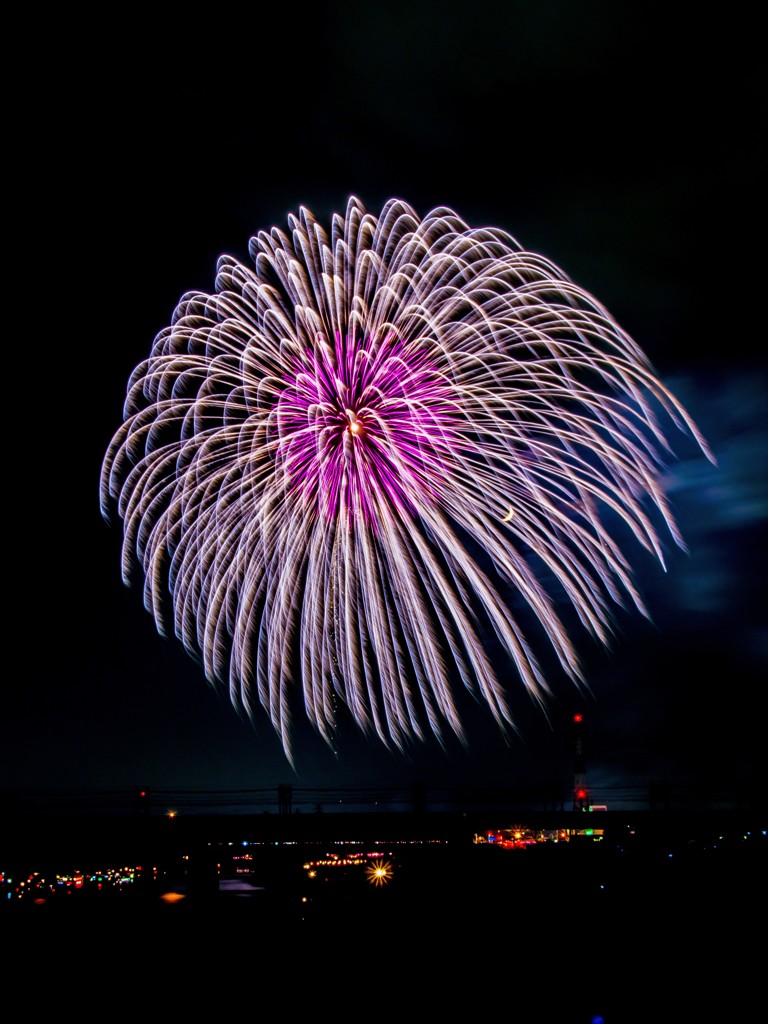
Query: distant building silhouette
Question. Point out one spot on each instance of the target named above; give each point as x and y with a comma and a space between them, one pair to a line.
580, 789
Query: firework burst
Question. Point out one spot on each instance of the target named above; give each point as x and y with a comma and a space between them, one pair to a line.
356, 461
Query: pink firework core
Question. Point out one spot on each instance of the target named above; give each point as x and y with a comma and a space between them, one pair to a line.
365, 427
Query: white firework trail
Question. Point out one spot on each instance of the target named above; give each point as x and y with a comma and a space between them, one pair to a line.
333, 470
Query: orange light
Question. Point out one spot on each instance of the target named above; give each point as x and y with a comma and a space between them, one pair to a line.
379, 872
172, 897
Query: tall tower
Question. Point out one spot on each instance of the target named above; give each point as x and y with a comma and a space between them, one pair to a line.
580, 790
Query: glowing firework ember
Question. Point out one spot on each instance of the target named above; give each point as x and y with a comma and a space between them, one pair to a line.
379, 872
360, 458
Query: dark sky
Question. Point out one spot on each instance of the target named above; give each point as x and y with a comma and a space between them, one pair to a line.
621, 142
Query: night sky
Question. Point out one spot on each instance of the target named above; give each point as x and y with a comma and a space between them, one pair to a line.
618, 141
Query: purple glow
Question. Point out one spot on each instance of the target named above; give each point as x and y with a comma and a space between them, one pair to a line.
363, 428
